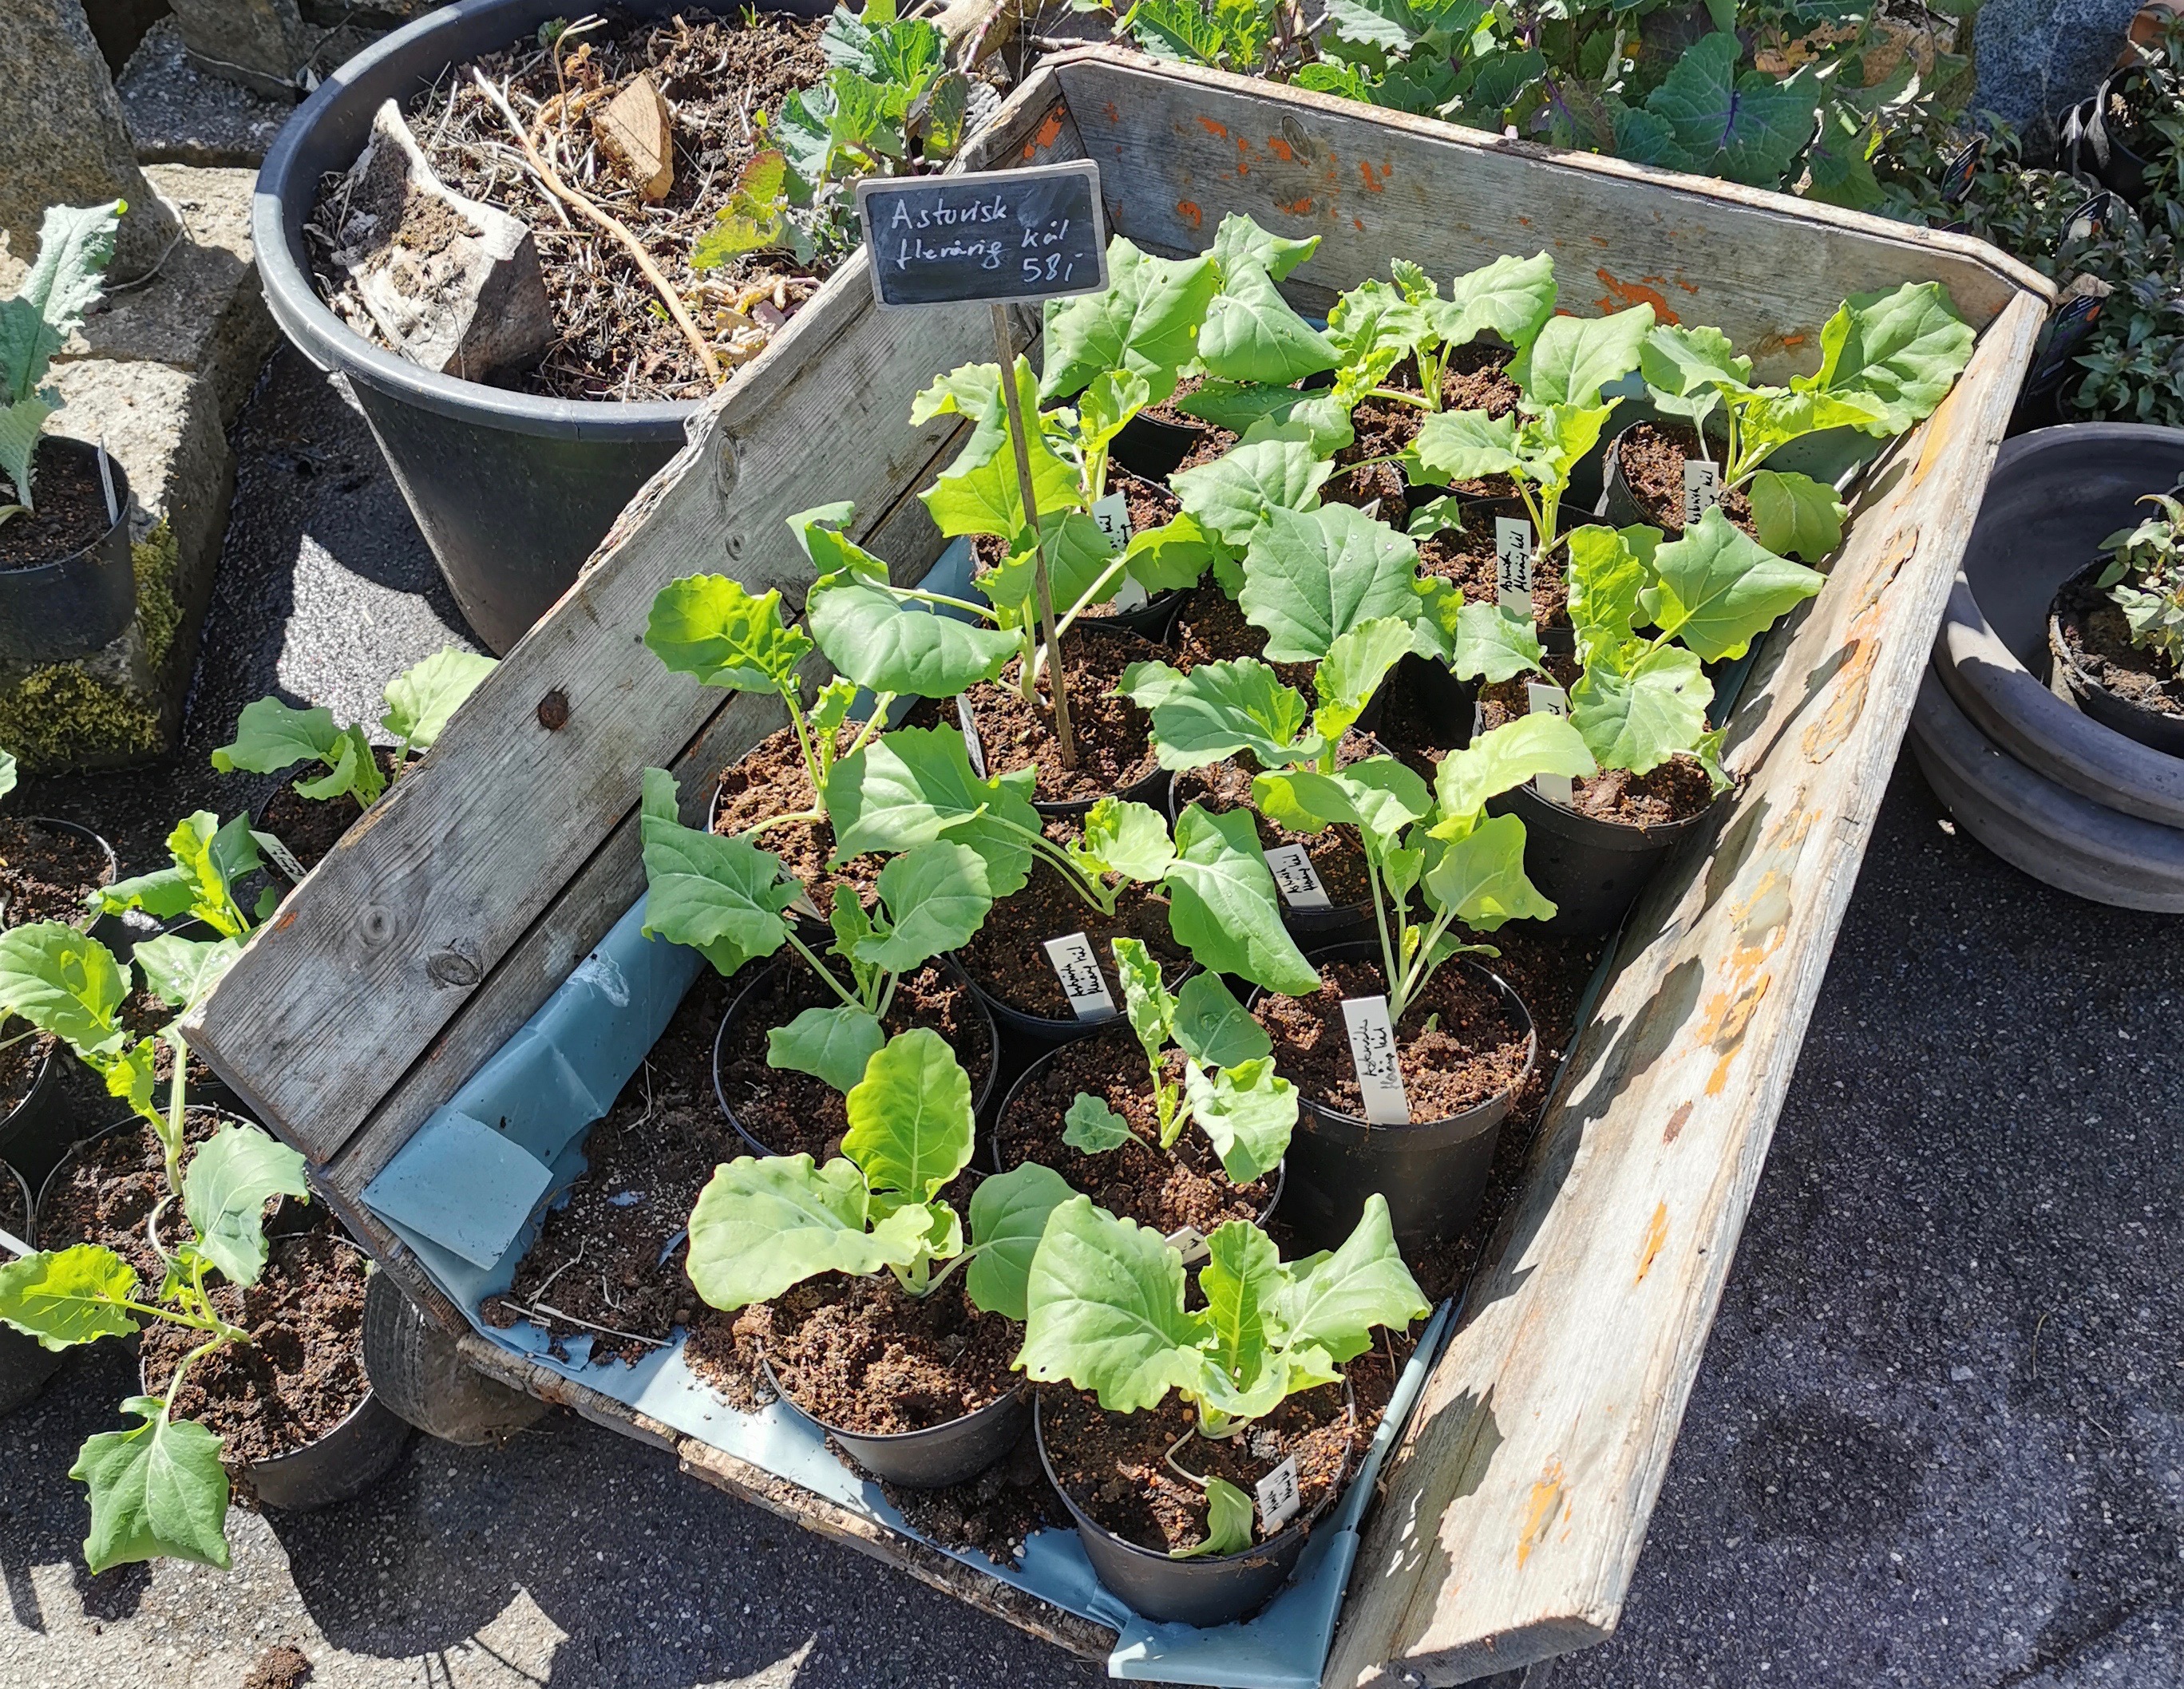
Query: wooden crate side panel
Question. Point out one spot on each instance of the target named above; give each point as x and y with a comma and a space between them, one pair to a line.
1516, 1507
393, 934
1182, 147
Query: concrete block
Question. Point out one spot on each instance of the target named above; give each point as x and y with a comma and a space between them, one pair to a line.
181, 114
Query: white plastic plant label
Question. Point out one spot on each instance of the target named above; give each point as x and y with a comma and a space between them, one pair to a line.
1513, 564
1082, 983
1278, 1500
1190, 1242
1112, 515
1701, 488
1380, 1071
973, 746
281, 856
1295, 877
1550, 700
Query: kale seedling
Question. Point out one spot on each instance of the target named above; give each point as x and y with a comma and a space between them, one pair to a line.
762, 1226
74, 245
2145, 578
1106, 1311
1246, 1111
206, 860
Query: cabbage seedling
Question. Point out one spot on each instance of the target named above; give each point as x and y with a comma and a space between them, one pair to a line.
762, 1226
206, 860
2152, 555
1246, 1111
74, 245
271, 735
1105, 1313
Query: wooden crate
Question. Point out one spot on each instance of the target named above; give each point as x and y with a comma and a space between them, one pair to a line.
1512, 1512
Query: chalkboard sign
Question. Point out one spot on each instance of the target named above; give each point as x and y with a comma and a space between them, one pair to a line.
992, 237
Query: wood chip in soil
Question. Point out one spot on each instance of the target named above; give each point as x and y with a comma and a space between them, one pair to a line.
2097, 635
1676, 790
70, 513
799, 1114
1652, 455
302, 1373
598, 1262
1167, 1189
45, 872
1008, 955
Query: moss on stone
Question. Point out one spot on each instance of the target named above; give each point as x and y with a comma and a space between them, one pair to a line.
59, 717
153, 559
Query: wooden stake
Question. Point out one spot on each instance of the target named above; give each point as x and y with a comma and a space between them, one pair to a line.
1005, 348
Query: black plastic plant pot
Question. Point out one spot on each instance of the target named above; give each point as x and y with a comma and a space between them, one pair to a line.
1153, 620
1208, 1590
1154, 447
1432, 698
954, 1452
2069, 680
512, 491
69, 607
1041, 1031
1337, 921
1432, 1172
338, 1465
1152, 789
982, 1095
117, 932
2090, 145
34, 1135
1591, 869
25, 1363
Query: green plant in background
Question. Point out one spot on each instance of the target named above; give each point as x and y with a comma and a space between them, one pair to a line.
2145, 578
1106, 1311
207, 859
1229, 1083
762, 1226
271, 735
74, 245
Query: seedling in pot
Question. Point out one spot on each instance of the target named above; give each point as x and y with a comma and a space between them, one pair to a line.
763, 1226
1229, 1084
207, 859
74, 245
1468, 867
271, 735
2145, 579
1886, 360
1107, 1313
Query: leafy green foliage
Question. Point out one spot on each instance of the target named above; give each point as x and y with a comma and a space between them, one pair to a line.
207, 859
1227, 1522
1311, 577
2144, 576
156, 1490
1222, 906
74, 245
723, 897
1093, 1127
65, 1297
423, 698
1146, 322
232, 1176
916, 785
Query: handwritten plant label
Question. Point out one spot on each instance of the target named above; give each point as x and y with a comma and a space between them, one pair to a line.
282, 857
1111, 513
1295, 877
1550, 700
1277, 1491
1513, 564
1701, 488
990, 237
1191, 1242
1082, 982
973, 746
1380, 1071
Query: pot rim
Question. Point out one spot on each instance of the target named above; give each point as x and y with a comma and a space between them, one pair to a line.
1670, 830
1014, 1394
48, 1066
121, 500
2059, 648
86, 920
30, 1201
77, 1146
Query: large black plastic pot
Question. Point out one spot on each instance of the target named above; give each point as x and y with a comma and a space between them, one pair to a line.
511, 491
1209, 1589
35, 1134
954, 1452
2070, 681
1155, 448
25, 1363
73, 606
1591, 869
338, 1465
982, 1090
1432, 1172
2090, 146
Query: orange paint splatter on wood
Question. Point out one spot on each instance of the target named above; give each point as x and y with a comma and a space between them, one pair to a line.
1114, 116
1687, 287
1188, 210
1657, 1237
1358, 224
285, 920
1281, 149
1634, 294
1219, 130
1526, 222
1243, 157
1793, 340
1374, 183
1540, 1510
1299, 208
1049, 131
1597, 240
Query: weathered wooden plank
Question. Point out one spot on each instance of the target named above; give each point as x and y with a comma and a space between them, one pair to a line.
1181, 147
1516, 1507
794, 1503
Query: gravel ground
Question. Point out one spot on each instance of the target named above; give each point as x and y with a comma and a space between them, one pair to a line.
1935, 1440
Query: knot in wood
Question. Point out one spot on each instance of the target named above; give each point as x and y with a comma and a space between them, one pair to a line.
554, 711
453, 969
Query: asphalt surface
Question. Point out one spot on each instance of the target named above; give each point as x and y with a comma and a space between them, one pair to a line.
1935, 1440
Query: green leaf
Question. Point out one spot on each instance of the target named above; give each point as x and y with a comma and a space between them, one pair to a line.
232, 1176
909, 1119
1607, 572
754, 218
1145, 1000
1319, 418
1233, 496
1104, 1310
1487, 642
1573, 358
980, 492
22, 425
1228, 1508
424, 697
913, 786
1716, 588
1358, 659
894, 644
65, 1297
1105, 407
1334, 1302
1373, 327
1311, 577
1241, 244
1079, 559
1506, 757
1240, 406
74, 245
1512, 298
1903, 349
212, 857
1217, 710
1480, 878
1772, 418
937, 895
1124, 837
1797, 514
1749, 128
157, 1490
1211, 1027
1253, 334
1247, 1375
1008, 1216
832, 1044
1170, 557
1247, 1112
1092, 1127
1146, 322
1640, 719
181, 972
762, 1226
270, 736
355, 771
1466, 445
65, 984
721, 896
1679, 362
1222, 906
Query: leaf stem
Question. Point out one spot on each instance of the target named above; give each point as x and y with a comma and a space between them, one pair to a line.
819, 968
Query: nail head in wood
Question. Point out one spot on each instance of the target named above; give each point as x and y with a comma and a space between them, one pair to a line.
554, 711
